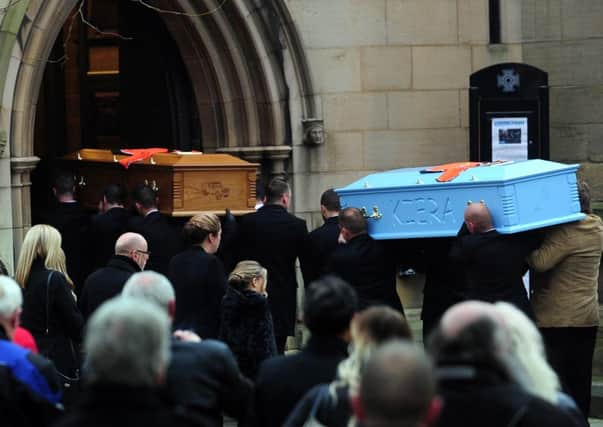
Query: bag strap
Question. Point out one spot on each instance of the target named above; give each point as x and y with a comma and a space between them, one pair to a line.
48, 301
323, 392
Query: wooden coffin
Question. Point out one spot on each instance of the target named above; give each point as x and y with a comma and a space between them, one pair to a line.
186, 183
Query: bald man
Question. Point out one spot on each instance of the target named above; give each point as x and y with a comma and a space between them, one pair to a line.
131, 255
491, 265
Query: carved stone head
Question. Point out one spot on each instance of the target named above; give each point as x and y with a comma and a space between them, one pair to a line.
314, 131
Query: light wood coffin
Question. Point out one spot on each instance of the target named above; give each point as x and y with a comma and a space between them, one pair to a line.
186, 183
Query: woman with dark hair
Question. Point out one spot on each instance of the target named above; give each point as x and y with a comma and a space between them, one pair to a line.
198, 277
246, 320
330, 404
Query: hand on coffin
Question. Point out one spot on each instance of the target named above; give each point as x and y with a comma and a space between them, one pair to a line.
187, 336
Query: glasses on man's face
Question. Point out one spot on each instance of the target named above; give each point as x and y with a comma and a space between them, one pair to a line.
143, 252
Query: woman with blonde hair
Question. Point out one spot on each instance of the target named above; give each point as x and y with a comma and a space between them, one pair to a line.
330, 404
49, 312
198, 277
246, 324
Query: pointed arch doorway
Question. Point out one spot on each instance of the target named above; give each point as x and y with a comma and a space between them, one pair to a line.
247, 72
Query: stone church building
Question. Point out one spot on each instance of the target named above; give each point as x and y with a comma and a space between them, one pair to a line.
386, 79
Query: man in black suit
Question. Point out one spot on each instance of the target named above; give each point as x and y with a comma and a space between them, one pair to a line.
131, 254
322, 242
72, 221
275, 238
364, 263
329, 306
109, 224
164, 238
492, 264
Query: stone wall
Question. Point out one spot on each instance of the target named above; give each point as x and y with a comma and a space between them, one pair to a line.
391, 77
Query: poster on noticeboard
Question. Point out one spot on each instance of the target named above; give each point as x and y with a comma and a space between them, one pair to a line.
510, 138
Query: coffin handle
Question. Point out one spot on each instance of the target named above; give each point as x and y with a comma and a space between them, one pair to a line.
375, 215
81, 183
152, 184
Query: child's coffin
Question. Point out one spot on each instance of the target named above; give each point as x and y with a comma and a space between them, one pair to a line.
429, 202
186, 183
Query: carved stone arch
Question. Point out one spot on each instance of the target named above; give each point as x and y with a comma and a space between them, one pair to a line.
246, 64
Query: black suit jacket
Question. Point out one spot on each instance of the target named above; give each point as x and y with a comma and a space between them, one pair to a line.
105, 283
366, 265
199, 281
73, 222
105, 228
283, 380
322, 242
275, 238
493, 265
163, 238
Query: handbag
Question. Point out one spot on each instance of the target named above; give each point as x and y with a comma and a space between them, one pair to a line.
323, 395
70, 383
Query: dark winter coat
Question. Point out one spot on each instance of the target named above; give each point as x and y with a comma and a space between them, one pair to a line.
73, 222
322, 242
283, 380
333, 406
246, 326
115, 405
365, 264
63, 319
199, 281
163, 239
105, 283
105, 228
275, 238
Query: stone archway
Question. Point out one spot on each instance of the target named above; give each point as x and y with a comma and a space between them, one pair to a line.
249, 72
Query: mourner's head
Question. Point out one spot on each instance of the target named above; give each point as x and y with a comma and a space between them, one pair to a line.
278, 192
329, 306
329, 204
153, 287
128, 343
43, 243
398, 388
477, 218
133, 246
10, 305
113, 196
249, 275
584, 194
64, 186
204, 230
145, 199
352, 223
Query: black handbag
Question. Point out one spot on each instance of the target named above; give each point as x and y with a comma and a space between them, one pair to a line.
70, 383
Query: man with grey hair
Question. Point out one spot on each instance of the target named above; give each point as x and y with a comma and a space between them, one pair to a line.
398, 388
29, 385
203, 378
127, 352
478, 376
131, 255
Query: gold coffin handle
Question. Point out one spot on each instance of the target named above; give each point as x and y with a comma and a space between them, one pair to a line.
375, 215
80, 182
152, 184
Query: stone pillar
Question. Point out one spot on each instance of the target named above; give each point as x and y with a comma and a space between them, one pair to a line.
21, 168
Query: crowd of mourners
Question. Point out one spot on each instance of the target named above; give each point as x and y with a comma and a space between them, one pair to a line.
130, 318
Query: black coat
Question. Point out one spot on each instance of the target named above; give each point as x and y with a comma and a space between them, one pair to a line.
73, 222
283, 380
105, 228
365, 264
275, 238
322, 242
105, 283
199, 281
203, 380
493, 265
246, 326
163, 238
113, 405
63, 319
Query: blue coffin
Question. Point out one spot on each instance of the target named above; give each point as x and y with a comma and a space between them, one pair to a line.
521, 196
